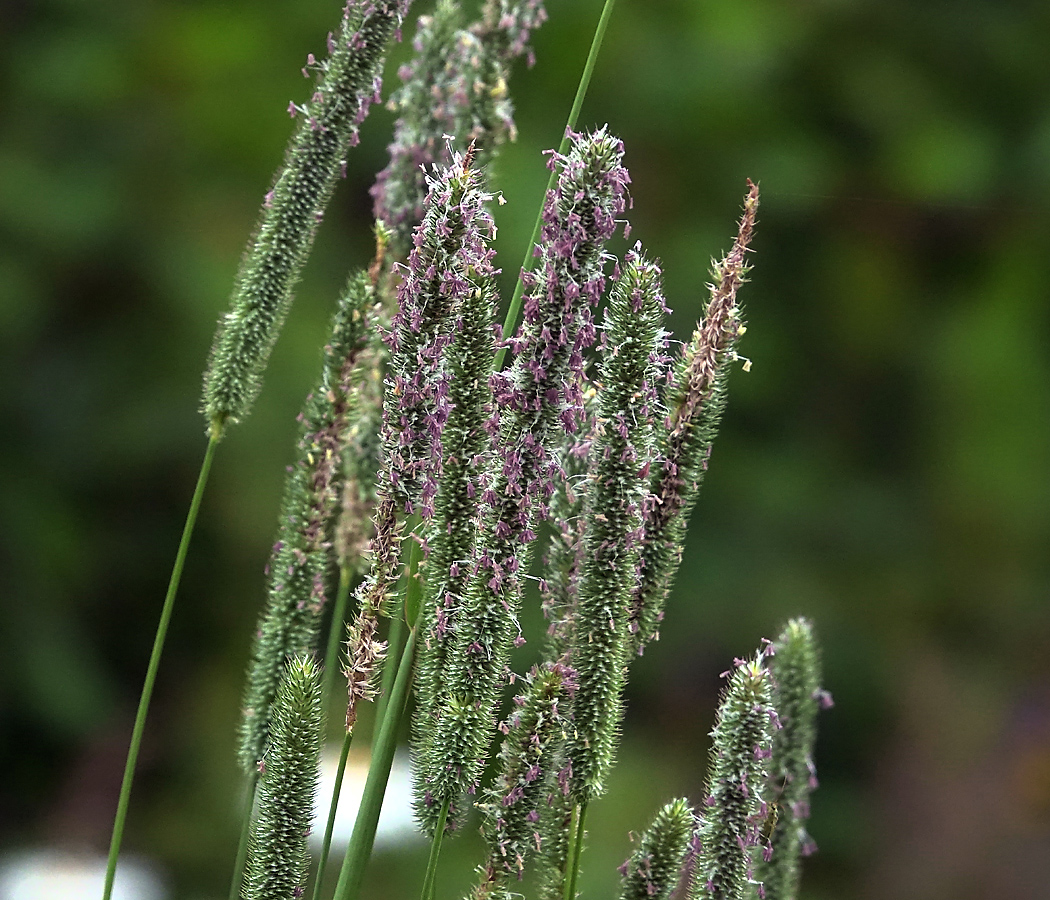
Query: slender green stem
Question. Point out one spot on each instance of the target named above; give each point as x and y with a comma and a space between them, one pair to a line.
572, 861
570, 850
430, 882
352, 873
570, 125
335, 636
154, 664
326, 845
395, 636
242, 844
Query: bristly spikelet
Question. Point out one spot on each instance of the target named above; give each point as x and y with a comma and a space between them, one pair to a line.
735, 805
653, 870
298, 568
560, 582
555, 826
278, 859
354, 529
511, 807
452, 536
541, 389
455, 87
451, 243
695, 400
616, 492
508, 25
328, 124
449, 269
792, 777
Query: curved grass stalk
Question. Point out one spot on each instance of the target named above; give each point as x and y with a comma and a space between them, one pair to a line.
154, 664
361, 840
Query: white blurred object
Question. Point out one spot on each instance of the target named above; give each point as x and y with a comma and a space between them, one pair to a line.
54, 875
396, 824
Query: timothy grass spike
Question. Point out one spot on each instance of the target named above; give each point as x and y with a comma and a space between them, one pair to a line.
736, 802
653, 870
299, 566
277, 856
540, 391
792, 777
349, 82
695, 401
615, 496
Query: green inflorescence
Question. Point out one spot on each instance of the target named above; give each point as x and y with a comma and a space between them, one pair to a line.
798, 696
735, 806
652, 872
278, 857
695, 401
300, 562
455, 88
294, 207
510, 808
615, 494
541, 388
452, 534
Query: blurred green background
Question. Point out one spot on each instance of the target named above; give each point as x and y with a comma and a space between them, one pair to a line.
883, 468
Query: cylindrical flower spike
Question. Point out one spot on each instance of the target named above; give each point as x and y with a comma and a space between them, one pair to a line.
452, 536
455, 87
797, 696
555, 828
294, 207
354, 529
615, 495
541, 389
511, 807
508, 26
564, 559
653, 870
298, 568
450, 267
735, 806
451, 253
278, 859
695, 401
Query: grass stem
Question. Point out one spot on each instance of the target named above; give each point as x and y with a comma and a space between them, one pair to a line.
572, 860
326, 844
430, 881
352, 873
154, 664
336, 635
242, 844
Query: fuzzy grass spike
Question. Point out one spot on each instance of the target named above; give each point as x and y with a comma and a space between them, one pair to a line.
792, 777
278, 857
349, 82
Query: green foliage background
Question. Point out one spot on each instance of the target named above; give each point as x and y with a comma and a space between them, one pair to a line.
883, 469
